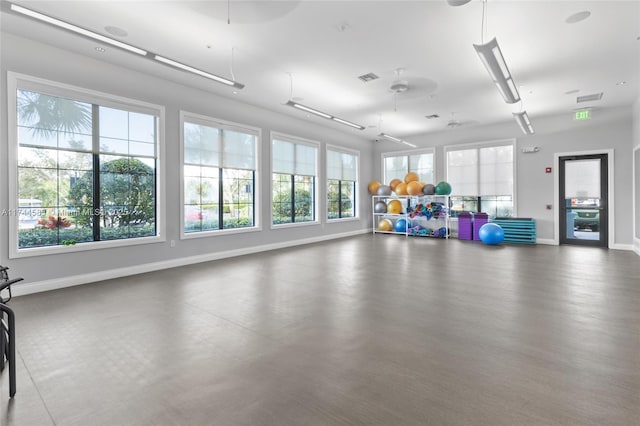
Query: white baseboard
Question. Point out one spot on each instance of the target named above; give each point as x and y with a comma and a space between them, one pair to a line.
546, 241
622, 247
57, 283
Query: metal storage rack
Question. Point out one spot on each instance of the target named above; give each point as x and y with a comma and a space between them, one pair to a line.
424, 215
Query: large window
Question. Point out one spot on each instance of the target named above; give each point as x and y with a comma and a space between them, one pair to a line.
396, 166
342, 181
86, 167
294, 173
481, 179
219, 175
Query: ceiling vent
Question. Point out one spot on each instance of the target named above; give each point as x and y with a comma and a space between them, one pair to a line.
589, 98
368, 77
432, 116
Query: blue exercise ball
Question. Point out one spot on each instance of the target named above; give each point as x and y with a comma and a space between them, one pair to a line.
491, 233
402, 225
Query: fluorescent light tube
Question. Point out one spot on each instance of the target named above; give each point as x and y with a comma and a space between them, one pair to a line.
347, 123
196, 71
324, 115
309, 109
523, 121
392, 138
491, 56
409, 144
76, 29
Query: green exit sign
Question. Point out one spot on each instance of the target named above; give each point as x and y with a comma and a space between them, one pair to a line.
584, 114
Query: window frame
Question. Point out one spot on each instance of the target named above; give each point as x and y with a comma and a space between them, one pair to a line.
208, 121
17, 81
318, 178
478, 146
407, 154
356, 213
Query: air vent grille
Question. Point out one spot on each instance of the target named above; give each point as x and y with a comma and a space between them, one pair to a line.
432, 116
589, 98
368, 77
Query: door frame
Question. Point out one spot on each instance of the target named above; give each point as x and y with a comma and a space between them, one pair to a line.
610, 195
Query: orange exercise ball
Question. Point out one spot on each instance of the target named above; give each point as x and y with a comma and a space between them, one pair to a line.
414, 188
411, 177
394, 183
401, 189
385, 225
373, 187
394, 207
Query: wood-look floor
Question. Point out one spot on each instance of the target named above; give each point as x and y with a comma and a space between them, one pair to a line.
370, 330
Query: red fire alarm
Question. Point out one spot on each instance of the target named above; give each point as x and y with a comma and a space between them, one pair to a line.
547, 170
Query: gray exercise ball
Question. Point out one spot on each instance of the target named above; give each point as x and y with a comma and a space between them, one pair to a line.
429, 189
380, 207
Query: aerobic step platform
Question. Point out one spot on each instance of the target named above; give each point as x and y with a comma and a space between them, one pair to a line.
517, 230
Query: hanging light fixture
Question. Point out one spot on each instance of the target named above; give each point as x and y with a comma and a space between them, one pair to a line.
75, 29
491, 56
323, 114
396, 140
522, 118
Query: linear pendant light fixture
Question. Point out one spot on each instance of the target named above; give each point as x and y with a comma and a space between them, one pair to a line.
523, 121
196, 71
117, 43
491, 56
74, 28
396, 140
323, 115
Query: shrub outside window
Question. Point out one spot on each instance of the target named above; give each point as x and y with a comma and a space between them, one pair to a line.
219, 175
342, 181
294, 173
86, 168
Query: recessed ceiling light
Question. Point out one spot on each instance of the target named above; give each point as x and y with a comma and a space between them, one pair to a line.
621, 83
572, 92
118, 32
100, 49
577, 17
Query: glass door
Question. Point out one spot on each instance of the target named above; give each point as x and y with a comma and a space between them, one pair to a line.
583, 200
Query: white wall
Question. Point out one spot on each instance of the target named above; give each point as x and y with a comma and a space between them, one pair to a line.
636, 175
45, 272
608, 129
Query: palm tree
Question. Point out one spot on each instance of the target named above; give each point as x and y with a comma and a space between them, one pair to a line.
45, 115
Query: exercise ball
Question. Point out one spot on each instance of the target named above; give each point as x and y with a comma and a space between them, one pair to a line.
394, 183
491, 233
411, 177
385, 225
384, 190
373, 187
394, 207
401, 189
380, 207
402, 225
414, 188
443, 188
429, 189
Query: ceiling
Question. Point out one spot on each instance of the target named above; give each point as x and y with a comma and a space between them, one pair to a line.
314, 51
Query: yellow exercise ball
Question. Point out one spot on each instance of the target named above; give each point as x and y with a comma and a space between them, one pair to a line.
385, 225
414, 188
401, 189
411, 177
373, 187
394, 207
394, 183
